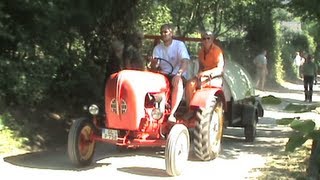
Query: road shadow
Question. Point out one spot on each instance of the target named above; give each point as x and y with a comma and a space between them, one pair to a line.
270, 137
144, 171
49, 159
58, 159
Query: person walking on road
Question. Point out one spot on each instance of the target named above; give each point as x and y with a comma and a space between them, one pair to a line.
309, 71
261, 69
297, 63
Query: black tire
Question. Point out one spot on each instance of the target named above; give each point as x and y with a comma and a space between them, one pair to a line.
250, 130
208, 131
177, 150
81, 146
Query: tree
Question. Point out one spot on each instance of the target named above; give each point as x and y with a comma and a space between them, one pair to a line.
309, 11
48, 47
306, 9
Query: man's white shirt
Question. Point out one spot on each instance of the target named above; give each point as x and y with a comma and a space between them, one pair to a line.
174, 53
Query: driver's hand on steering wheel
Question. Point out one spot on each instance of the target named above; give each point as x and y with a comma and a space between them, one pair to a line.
153, 62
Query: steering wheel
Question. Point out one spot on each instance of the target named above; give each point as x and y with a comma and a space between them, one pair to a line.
166, 61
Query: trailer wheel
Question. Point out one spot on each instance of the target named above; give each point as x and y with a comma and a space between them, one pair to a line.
250, 130
208, 132
81, 145
177, 150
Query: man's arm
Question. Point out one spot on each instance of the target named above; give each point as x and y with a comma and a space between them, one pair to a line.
184, 56
183, 67
153, 63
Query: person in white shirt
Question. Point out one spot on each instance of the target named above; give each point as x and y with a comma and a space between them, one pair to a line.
176, 53
261, 69
297, 63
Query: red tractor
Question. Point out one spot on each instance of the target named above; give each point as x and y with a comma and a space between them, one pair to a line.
136, 108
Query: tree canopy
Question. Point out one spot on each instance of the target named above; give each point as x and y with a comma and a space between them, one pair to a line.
62, 48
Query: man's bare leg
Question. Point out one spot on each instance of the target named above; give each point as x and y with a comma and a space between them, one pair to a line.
190, 87
263, 80
176, 96
257, 80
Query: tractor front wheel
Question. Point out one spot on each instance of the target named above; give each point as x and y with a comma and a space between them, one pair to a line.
177, 149
81, 145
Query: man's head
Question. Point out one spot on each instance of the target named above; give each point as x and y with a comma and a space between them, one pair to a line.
264, 52
309, 58
166, 32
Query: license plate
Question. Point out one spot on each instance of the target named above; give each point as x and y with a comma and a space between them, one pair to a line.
110, 134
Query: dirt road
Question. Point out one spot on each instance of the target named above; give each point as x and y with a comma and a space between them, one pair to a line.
238, 159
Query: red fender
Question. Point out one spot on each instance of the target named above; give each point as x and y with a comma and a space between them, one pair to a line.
202, 98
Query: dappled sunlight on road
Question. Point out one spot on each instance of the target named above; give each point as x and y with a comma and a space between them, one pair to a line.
291, 91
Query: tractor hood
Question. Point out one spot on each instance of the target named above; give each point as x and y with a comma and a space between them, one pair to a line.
125, 95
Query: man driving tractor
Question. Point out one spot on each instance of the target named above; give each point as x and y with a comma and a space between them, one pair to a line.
175, 52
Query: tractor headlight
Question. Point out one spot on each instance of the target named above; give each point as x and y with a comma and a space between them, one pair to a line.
156, 114
93, 109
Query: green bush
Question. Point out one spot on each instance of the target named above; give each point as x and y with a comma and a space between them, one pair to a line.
9, 137
285, 121
303, 130
299, 108
270, 99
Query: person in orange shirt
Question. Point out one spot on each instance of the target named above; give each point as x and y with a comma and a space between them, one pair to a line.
211, 63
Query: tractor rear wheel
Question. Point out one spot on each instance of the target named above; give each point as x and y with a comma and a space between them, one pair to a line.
208, 131
81, 145
177, 150
250, 130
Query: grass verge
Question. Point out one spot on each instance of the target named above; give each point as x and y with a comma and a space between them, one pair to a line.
10, 140
286, 165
